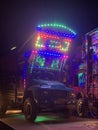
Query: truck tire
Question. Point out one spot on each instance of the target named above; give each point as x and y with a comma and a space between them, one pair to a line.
3, 109
92, 110
79, 107
30, 109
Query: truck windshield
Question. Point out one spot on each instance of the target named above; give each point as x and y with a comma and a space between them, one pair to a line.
45, 75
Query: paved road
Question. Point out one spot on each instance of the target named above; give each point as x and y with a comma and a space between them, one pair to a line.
16, 120
4, 126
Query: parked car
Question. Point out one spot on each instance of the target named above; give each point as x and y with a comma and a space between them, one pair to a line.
47, 96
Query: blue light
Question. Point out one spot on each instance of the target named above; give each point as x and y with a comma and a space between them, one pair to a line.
47, 31
39, 28
49, 53
53, 32
70, 34
94, 57
59, 34
26, 55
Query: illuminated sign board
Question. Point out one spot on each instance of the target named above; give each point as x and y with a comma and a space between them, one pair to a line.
81, 79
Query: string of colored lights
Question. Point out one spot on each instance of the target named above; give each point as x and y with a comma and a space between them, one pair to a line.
55, 29
60, 45
52, 40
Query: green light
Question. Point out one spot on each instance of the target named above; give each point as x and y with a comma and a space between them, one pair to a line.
57, 26
55, 64
46, 118
62, 26
42, 25
45, 25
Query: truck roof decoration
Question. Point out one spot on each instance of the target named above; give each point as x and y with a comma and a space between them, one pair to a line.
51, 46
54, 38
57, 30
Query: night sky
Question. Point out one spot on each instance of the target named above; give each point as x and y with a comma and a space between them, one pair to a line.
19, 18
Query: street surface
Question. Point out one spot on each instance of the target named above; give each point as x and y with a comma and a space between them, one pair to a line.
16, 120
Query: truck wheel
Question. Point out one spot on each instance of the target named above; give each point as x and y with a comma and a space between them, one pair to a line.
79, 107
3, 109
30, 109
92, 110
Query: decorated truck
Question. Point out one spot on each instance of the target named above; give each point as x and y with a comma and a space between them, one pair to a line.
87, 76
40, 86
45, 71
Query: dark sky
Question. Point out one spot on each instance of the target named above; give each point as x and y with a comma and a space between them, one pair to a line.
19, 17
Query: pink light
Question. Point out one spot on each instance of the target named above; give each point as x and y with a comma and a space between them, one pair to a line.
43, 35
24, 83
67, 40
34, 51
65, 57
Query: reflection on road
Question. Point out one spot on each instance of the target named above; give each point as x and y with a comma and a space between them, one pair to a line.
16, 119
